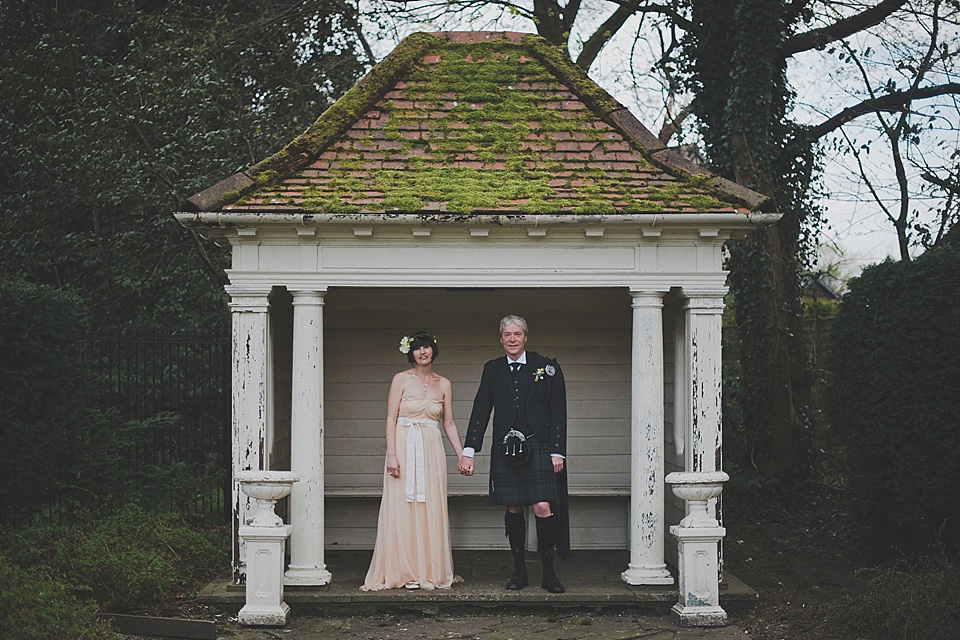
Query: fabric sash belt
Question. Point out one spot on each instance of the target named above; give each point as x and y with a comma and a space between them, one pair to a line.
416, 481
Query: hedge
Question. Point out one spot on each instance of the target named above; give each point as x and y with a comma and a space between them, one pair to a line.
895, 399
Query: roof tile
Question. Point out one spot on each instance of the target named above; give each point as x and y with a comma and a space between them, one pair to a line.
476, 121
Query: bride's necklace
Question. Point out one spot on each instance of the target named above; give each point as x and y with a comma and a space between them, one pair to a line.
426, 382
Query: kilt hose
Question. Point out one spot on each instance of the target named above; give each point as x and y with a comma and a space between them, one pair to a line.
535, 482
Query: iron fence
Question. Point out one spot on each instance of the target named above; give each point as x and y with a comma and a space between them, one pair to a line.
171, 400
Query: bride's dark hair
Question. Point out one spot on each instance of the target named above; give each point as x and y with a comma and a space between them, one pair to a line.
420, 339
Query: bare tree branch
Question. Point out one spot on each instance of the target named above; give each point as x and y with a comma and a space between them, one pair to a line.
349, 14
890, 102
671, 126
952, 187
842, 28
593, 45
675, 16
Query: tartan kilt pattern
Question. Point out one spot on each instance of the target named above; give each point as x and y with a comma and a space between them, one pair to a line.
536, 482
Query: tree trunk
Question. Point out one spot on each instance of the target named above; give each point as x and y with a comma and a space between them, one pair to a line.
742, 102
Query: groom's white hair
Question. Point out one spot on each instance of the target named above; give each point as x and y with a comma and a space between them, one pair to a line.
517, 320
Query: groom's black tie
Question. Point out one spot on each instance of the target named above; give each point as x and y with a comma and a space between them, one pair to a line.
514, 367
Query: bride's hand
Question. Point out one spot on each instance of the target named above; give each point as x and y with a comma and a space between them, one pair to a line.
393, 465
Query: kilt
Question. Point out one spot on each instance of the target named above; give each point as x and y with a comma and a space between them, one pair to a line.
536, 482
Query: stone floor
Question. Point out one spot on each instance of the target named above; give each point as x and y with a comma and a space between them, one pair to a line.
592, 580
566, 625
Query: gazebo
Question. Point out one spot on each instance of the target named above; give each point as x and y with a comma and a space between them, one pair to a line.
470, 175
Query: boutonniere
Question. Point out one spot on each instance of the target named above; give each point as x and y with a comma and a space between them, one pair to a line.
548, 370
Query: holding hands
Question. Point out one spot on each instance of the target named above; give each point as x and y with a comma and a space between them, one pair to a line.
393, 465
465, 466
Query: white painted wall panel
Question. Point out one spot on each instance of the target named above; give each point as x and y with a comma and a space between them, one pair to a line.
588, 331
352, 523
492, 258
677, 259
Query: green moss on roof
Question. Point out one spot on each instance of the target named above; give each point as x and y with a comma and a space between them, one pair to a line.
470, 127
345, 111
557, 61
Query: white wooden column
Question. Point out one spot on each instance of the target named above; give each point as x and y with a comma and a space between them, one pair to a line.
700, 534
306, 443
704, 309
249, 308
646, 444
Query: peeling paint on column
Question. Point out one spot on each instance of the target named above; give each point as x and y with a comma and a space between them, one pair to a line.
706, 379
700, 556
646, 530
696, 438
306, 501
249, 347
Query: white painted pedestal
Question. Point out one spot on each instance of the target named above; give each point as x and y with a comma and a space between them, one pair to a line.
266, 547
699, 603
265, 543
698, 535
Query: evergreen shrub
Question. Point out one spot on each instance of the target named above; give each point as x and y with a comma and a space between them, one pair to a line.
33, 607
134, 561
44, 393
894, 399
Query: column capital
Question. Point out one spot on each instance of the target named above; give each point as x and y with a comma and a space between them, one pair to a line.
705, 300
647, 298
255, 298
308, 296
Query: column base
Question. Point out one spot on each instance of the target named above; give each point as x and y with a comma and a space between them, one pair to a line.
647, 575
253, 616
698, 616
307, 576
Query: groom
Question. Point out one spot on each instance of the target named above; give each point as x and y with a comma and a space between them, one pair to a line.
527, 396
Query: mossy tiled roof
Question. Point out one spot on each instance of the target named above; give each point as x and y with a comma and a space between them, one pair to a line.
476, 122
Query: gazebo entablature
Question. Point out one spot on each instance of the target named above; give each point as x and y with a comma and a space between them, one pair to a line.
636, 251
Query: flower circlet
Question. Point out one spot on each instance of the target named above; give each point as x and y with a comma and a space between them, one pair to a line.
407, 341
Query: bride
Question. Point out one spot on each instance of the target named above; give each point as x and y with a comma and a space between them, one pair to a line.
413, 532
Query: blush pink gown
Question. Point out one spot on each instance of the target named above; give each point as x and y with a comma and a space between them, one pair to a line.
413, 530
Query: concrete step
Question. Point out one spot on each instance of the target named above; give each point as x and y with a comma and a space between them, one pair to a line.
592, 581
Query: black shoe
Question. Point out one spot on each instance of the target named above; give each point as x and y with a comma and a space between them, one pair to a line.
552, 584
518, 581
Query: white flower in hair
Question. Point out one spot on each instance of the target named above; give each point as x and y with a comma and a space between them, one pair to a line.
405, 344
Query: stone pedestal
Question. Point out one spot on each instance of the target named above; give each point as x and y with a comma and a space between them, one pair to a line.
699, 603
265, 554
265, 541
698, 535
